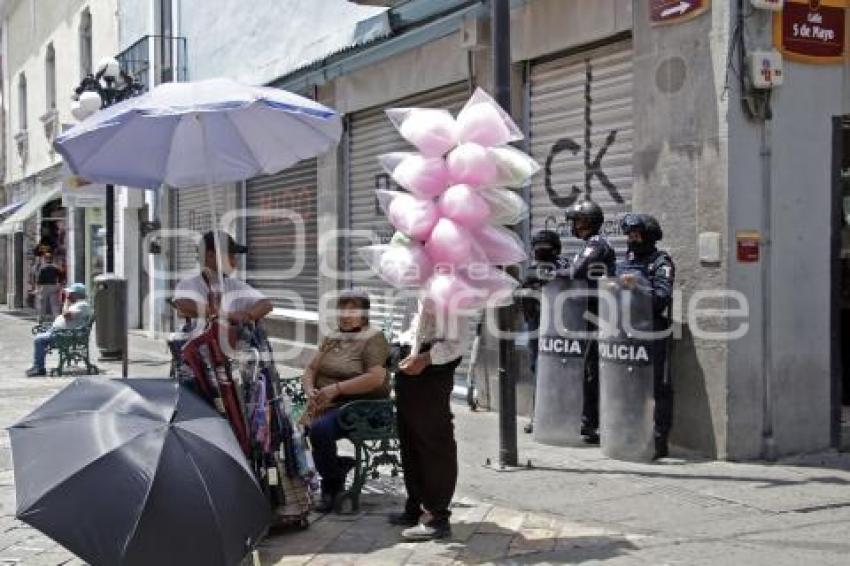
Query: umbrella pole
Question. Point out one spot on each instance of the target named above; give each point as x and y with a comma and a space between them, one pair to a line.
216, 238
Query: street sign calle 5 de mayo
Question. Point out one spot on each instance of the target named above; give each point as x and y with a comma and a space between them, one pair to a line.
675, 11
812, 31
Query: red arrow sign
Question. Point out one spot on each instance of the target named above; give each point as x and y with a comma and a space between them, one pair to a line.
674, 11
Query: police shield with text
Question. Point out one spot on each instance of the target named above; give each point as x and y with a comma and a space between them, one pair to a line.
546, 251
594, 260
650, 271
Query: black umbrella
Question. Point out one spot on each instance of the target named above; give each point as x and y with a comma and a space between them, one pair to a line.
136, 471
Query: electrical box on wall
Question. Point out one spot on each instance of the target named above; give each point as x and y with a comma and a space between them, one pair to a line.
773, 5
766, 69
709, 247
472, 33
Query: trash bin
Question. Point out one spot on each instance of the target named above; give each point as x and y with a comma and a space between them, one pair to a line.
562, 347
626, 396
110, 309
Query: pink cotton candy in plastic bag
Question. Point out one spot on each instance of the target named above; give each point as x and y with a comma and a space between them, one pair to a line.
499, 245
411, 215
402, 266
432, 131
426, 177
451, 244
484, 122
450, 292
406, 266
470, 164
464, 205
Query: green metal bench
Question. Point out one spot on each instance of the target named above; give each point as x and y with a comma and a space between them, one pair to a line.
72, 345
370, 426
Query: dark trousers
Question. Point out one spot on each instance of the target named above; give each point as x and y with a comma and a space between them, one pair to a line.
663, 389
590, 397
427, 440
324, 432
533, 354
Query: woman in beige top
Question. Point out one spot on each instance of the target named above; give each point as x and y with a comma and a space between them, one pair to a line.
350, 364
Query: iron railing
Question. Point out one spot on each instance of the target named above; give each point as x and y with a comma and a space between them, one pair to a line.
169, 60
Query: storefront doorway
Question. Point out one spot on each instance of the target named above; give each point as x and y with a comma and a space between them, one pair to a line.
51, 238
841, 295
95, 245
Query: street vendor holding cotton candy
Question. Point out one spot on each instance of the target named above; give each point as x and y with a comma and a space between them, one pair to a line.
451, 240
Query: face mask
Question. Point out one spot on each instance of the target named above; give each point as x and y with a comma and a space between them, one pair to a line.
641, 248
546, 254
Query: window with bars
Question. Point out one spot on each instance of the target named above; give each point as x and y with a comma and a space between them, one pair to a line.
22, 102
50, 77
85, 43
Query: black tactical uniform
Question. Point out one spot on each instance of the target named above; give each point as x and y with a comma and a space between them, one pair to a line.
595, 259
655, 267
546, 252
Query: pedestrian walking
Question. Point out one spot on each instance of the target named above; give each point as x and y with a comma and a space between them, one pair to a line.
424, 386
48, 283
645, 262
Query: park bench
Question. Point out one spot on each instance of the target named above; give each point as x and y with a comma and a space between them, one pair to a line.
72, 345
370, 426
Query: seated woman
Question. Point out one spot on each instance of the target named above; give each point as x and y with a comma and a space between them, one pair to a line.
350, 364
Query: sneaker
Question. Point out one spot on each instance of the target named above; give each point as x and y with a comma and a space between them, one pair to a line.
403, 519
425, 532
36, 372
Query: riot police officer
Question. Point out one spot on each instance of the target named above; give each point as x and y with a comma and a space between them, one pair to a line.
547, 260
652, 270
595, 259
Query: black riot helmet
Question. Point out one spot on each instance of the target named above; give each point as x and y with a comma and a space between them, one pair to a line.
589, 211
546, 245
646, 224
653, 228
649, 229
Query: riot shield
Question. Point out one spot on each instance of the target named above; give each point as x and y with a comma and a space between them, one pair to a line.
560, 362
626, 372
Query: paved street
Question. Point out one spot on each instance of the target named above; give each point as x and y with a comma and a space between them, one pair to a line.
572, 506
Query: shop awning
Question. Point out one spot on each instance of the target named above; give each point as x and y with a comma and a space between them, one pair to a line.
10, 208
30, 207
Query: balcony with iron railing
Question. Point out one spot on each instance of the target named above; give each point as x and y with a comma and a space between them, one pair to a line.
168, 54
